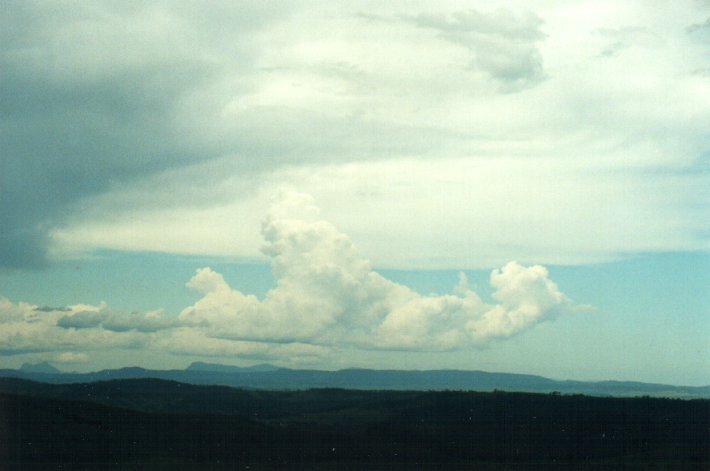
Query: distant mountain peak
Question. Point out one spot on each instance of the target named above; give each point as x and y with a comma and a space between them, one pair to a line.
43, 367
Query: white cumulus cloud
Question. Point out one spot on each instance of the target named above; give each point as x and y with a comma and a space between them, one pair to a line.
26, 328
327, 297
326, 293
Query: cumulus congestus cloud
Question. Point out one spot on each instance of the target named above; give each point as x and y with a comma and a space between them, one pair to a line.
326, 293
327, 297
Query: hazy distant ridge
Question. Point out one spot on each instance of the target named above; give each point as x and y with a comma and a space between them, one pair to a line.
216, 367
266, 376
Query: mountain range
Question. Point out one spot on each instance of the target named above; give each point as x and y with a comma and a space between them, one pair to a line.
266, 376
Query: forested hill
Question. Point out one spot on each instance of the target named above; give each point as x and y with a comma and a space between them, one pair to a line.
158, 424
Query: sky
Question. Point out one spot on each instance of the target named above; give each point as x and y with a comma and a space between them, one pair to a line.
519, 186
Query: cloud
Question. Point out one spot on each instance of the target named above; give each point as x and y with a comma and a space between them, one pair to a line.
10, 312
195, 342
71, 357
52, 309
81, 320
503, 43
144, 126
91, 99
700, 31
622, 38
151, 321
25, 329
326, 293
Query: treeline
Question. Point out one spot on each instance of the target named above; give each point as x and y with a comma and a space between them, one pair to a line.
149, 424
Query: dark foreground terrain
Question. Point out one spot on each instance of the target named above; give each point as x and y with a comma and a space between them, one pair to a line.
157, 424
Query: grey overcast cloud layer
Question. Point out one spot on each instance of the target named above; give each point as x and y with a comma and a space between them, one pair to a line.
553, 132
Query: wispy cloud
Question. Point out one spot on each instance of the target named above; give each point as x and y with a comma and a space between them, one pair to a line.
503, 43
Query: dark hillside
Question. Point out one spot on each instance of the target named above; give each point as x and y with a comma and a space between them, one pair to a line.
44, 433
155, 424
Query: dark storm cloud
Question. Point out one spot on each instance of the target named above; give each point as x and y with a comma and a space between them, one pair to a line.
90, 100
104, 95
66, 134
